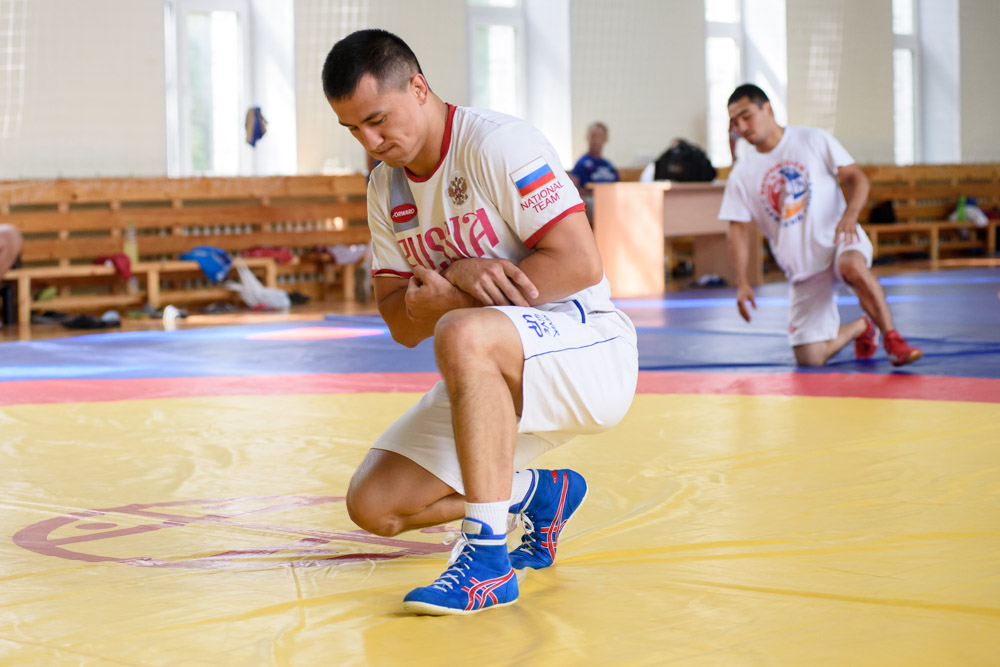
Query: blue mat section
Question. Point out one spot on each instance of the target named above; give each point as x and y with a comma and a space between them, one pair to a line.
212, 351
954, 316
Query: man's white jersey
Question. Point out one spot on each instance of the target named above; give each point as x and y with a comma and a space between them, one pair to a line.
793, 194
498, 189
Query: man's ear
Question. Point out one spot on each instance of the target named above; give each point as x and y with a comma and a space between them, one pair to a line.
767, 107
418, 85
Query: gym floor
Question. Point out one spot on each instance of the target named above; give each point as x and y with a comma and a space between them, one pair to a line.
176, 497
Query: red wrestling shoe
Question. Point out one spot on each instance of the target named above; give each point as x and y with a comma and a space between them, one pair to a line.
900, 352
866, 345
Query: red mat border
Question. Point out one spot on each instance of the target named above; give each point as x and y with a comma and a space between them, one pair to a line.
896, 386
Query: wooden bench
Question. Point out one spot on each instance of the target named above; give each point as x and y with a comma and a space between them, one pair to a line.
923, 196
69, 223
149, 273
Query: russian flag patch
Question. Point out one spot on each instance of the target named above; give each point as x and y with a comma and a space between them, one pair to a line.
532, 176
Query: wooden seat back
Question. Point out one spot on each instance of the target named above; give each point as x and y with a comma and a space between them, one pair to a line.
67, 224
68, 221
930, 192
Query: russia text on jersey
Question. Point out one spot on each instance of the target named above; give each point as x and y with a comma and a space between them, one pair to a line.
469, 235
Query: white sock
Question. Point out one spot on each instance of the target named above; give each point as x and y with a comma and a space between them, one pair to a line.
521, 486
493, 515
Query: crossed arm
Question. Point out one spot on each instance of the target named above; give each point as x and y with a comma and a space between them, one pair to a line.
564, 261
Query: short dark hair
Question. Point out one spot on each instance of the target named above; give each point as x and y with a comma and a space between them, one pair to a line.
598, 123
756, 95
377, 52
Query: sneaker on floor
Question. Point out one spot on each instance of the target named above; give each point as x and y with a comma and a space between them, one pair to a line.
900, 352
479, 576
866, 345
555, 496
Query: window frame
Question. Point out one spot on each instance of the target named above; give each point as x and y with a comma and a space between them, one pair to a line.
911, 42
179, 132
723, 30
478, 16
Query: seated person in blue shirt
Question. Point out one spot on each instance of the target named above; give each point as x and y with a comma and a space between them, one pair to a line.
592, 167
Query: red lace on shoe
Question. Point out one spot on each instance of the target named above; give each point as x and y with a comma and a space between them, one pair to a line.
900, 352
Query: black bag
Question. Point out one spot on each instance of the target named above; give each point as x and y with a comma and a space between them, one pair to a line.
684, 162
882, 212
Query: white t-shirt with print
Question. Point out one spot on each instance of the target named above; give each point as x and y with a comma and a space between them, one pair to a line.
498, 189
793, 194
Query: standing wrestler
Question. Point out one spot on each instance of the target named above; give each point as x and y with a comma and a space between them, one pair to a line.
790, 186
480, 240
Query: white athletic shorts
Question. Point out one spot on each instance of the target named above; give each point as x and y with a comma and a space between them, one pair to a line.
813, 316
579, 377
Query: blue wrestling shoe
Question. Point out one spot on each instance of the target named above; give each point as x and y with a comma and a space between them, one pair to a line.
479, 576
555, 496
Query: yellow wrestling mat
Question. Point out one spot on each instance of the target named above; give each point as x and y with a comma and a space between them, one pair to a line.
719, 530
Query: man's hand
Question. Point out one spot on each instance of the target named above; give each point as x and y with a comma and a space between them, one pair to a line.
734, 136
744, 293
428, 295
847, 227
495, 282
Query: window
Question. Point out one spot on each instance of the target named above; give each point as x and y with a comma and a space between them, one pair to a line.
502, 36
745, 42
723, 72
207, 86
496, 55
904, 81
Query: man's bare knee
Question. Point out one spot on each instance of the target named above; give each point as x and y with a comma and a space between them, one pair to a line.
390, 494
853, 268
367, 507
466, 340
458, 335
370, 516
810, 358
811, 355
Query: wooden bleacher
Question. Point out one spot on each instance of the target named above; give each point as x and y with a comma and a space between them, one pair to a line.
68, 223
923, 196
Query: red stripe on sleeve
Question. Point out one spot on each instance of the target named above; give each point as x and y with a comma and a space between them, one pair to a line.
390, 272
537, 236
